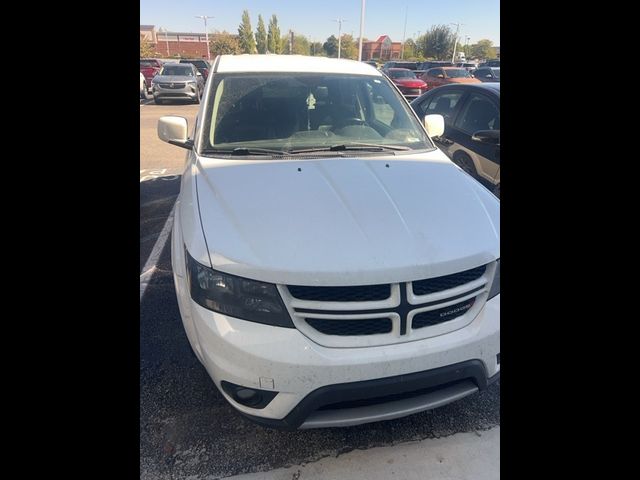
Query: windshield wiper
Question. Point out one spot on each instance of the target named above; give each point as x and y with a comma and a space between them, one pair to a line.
245, 151
367, 147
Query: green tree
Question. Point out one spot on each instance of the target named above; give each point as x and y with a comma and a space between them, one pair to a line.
261, 36
245, 32
409, 48
146, 50
224, 44
349, 47
330, 47
437, 43
273, 37
483, 49
301, 45
316, 49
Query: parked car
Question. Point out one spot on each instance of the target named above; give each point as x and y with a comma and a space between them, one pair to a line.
471, 135
332, 267
178, 81
143, 87
400, 64
436, 77
470, 67
201, 64
407, 82
495, 62
487, 74
149, 67
373, 63
433, 64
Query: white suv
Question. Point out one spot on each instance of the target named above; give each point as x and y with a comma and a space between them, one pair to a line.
332, 266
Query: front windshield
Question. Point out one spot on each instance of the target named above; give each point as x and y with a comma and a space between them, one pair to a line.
177, 70
289, 111
457, 73
496, 72
147, 63
402, 74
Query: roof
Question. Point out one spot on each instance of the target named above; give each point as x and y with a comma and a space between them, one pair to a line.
493, 86
381, 38
292, 63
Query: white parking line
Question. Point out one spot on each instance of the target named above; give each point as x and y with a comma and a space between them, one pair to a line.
150, 265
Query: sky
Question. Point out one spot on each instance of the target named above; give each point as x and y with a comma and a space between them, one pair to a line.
479, 19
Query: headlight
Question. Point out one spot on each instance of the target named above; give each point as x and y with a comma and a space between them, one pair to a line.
495, 286
191, 82
236, 296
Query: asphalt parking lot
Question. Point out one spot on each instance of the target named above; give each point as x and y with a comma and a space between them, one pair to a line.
187, 430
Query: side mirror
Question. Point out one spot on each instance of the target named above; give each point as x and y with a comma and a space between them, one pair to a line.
440, 76
199, 74
491, 137
434, 124
173, 130
488, 75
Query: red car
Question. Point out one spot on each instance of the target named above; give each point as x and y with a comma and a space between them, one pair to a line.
447, 75
150, 67
407, 82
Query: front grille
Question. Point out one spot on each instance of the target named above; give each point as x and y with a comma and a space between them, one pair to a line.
372, 315
366, 326
170, 85
432, 285
363, 293
434, 317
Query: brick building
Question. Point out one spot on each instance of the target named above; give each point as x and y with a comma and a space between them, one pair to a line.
382, 48
169, 44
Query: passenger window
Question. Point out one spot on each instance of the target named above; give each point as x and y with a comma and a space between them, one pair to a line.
479, 113
443, 104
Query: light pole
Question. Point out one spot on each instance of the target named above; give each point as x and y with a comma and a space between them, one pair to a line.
339, 20
404, 34
466, 46
206, 33
361, 30
455, 43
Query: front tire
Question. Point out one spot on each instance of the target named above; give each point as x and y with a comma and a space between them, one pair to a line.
197, 99
157, 101
464, 161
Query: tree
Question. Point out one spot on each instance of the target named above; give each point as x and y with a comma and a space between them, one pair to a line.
316, 49
146, 50
331, 46
349, 47
438, 43
300, 45
224, 44
409, 48
245, 32
261, 36
273, 37
483, 49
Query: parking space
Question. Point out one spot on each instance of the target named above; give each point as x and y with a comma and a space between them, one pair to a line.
187, 430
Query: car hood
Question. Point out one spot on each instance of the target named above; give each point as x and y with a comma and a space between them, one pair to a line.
173, 78
463, 80
410, 82
345, 221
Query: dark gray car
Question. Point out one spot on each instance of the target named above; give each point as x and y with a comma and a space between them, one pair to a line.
487, 74
177, 81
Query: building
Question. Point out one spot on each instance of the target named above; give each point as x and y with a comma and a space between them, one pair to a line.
381, 49
170, 44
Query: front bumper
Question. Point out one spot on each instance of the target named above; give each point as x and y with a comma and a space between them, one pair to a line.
188, 92
306, 375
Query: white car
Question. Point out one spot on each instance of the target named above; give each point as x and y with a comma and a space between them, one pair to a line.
143, 87
332, 266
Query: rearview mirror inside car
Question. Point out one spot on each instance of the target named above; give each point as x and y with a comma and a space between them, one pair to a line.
173, 130
491, 137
